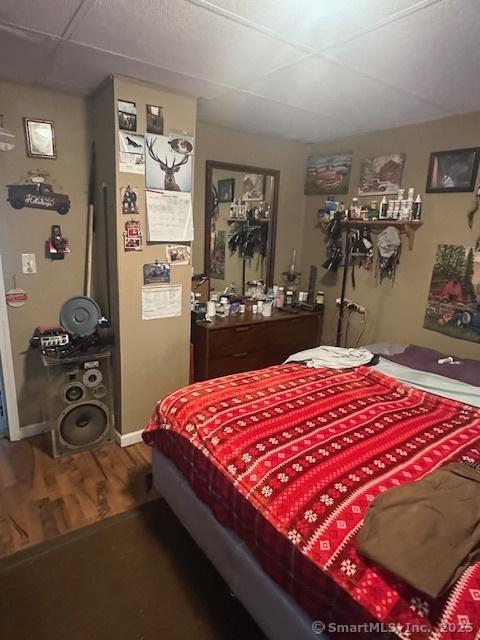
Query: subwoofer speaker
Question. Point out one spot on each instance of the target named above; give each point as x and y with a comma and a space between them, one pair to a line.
79, 402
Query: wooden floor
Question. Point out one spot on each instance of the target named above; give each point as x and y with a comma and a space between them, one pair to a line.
41, 498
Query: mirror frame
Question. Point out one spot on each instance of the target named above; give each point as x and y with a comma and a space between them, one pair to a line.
272, 232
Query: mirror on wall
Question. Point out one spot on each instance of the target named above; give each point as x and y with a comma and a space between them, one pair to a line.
240, 222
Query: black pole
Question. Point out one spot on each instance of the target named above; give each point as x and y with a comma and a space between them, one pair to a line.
344, 286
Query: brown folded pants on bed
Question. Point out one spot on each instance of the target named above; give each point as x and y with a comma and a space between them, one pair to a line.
426, 532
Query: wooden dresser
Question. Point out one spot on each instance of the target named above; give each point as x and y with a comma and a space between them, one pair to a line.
251, 341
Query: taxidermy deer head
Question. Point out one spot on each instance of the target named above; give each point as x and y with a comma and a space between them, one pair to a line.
170, 184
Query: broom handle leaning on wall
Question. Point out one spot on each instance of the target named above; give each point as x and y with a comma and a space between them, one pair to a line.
87, 287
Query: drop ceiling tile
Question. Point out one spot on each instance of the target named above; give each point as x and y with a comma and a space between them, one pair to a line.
434, 54
333, 90
49, 16
243, 111
182, 37
315, 23
85, 68
24, 57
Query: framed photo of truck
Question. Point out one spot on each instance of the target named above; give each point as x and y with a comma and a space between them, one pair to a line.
38, 195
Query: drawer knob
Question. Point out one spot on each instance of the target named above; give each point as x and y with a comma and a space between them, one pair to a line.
240, 355
242, 329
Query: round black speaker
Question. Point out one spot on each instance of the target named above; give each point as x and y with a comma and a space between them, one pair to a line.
80, 316
83, 424
74, 392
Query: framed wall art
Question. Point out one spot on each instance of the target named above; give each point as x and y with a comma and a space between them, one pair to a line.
381, 175
453, 171
40, 138
253, 186
226, 189
328, 173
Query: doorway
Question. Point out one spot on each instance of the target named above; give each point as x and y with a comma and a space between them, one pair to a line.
9, 420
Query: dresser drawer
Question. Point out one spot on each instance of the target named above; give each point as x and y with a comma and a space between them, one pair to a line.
282, 335
244, 361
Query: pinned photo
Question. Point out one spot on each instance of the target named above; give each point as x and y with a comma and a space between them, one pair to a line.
127, 115
167, 169
156, 272
131, 143
129, 199
178, 254
132, 236
131, 163
154, 119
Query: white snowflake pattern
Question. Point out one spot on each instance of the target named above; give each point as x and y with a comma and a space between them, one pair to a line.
348, 567
241, 423
282, 477
232, 469
353, 477
297, 467
310, 516
294, 536
335, 445
326, 499
419, 606
246, 457
215, 440
228, 430
323, 452
379, 464
340, 487
267, 491
260, 446
273, 440
311, 459
190, 427
367, 470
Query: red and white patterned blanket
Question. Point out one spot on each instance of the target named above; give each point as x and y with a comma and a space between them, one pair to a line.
290, 458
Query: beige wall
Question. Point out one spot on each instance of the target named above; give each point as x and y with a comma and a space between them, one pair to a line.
288, 156
396, 312
25, 231
153, 355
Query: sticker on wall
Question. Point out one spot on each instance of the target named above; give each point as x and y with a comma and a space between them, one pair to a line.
156, 273
454, 295
168, 163
132, 236
154, 119
127, 115
37, 194
178, 254
129, 199
16, 297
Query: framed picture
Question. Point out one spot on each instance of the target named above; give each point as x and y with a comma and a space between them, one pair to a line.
226, 189
127, 115
453, 171
328, 174
381, 175
252, 187
154, 119
40, 138
156, 273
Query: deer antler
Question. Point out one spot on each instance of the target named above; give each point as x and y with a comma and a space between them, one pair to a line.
150, 144
176, 165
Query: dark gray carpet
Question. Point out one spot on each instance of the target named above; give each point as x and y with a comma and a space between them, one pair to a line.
136, 576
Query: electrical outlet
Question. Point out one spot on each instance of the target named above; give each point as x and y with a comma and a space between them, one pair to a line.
29, 263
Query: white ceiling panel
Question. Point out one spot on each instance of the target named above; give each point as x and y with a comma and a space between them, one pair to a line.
86, 68
25, 56
314, 23
264, 116
333, 90
182, 37
51, 16
434, 54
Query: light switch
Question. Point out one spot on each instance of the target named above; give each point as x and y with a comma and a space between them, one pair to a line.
29, 263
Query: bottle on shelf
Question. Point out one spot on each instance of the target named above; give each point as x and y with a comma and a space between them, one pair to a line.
417, 208
280, 301
382, 214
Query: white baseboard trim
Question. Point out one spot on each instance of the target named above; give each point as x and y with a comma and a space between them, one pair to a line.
34, 429
127, 439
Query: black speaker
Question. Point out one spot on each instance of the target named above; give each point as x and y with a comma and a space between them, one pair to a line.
79, 402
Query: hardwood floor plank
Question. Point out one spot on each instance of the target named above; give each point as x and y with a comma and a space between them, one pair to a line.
42, 497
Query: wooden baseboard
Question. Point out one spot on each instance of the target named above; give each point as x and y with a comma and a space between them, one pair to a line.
127, 439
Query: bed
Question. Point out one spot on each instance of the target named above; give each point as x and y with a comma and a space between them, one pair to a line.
272, 471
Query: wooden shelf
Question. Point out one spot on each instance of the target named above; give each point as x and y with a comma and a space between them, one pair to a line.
407, 227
